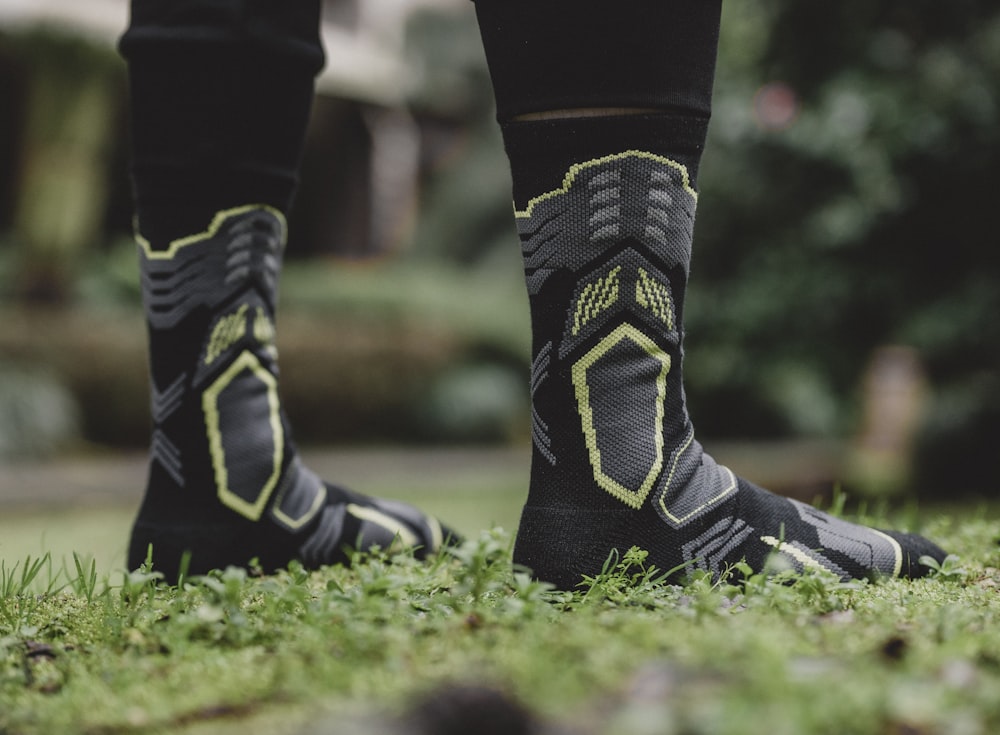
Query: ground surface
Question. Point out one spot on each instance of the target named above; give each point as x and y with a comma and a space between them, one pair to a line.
85, 504
394, 647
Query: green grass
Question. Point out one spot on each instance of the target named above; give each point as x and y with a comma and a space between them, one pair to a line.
96, 532
469, 496
379, 646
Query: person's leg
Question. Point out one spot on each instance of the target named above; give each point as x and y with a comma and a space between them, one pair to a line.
604, 109
220, 97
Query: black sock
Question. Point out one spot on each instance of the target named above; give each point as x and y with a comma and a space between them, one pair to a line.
225, 482
220, 97
605, 209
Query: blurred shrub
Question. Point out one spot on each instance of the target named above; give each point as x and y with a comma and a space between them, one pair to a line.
38, 414
847, 202
474, 402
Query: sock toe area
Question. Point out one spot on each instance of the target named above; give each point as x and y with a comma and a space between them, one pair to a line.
364, 522
914, 547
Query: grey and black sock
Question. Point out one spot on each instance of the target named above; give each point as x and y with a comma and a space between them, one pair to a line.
616, 462
221, 94
604, 113
225, 482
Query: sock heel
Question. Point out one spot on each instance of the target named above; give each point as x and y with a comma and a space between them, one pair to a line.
561, 545
210, 546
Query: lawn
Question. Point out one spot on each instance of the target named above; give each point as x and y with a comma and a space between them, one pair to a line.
470, 489
466, 642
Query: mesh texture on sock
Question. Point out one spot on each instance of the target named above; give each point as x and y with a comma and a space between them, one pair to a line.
225, 482
616, 462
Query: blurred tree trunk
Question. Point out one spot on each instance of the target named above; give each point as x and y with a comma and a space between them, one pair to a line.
64, 178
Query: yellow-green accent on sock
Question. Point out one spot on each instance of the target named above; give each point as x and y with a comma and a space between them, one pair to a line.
655, 297
633, 497
596, 296
245, 361
264, 333
897, 549
437, 534
209, 232
576, 168
728, 487
319, 500
396, 528
263, 328
228, 330
797, 554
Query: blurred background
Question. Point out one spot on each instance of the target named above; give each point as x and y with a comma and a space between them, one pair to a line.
844, 312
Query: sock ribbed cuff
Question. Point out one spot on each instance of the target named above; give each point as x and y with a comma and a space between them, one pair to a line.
568, 54
542, 151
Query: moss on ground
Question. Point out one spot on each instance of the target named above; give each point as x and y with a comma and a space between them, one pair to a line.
392, 646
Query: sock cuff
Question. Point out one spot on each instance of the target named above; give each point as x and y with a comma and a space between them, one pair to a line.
176, 200
542, 151
569, 54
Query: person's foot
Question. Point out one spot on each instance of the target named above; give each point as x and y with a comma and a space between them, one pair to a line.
342, 522
562, 544
225, 482
616, 463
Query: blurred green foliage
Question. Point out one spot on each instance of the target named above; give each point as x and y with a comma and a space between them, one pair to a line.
846, 203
